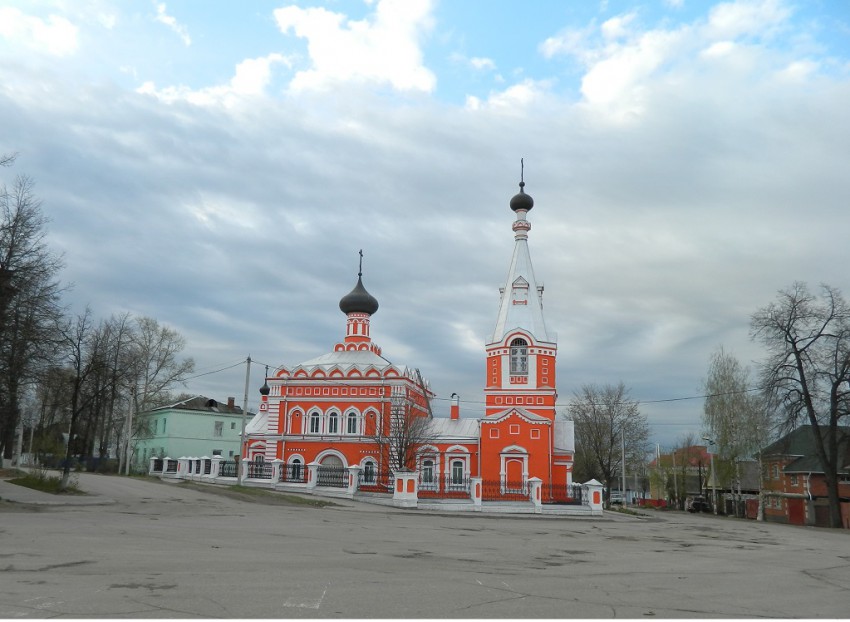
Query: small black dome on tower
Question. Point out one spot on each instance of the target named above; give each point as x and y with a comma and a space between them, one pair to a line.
522, 201
358, 300
265, 390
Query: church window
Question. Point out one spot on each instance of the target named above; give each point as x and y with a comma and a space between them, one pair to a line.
369, 472
535, 433
428, 471
519, 357
351, 423
333, 423
457, 472
315, 424
295, 469
514, 428
494, 432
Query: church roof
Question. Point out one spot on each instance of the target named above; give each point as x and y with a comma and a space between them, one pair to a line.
347, 358
444, 428
358, 300
521, 304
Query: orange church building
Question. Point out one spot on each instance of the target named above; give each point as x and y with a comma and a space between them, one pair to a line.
352, 414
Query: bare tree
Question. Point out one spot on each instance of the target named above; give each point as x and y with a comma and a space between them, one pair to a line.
406, 428
806, 375
29, 301
734, 416
157, 366
605, 417
79, 338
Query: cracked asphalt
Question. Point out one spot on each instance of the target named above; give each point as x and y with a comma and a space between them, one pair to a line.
167, 551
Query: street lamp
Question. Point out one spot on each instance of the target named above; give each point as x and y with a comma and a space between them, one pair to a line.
713, 476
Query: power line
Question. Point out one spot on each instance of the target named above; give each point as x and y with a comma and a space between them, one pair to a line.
216, 371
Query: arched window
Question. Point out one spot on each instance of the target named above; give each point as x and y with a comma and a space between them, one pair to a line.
369, 472
351, 423
259, 458
295, 470
519, 357
333, 423
457, 472
315, 423
428, 472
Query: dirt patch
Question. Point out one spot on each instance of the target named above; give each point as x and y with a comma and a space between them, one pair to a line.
257, 495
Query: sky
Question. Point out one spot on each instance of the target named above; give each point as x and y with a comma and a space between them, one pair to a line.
218, 165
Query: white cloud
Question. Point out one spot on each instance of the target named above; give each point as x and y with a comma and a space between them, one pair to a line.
617, 27
745, 17
482, 63
55, 35
251, 78
164, 18
513, 99
384, 49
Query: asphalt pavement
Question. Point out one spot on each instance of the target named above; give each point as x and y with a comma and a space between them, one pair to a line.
141, 549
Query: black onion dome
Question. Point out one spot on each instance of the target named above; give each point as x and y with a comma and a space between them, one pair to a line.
358, 300
265, 390
522, 200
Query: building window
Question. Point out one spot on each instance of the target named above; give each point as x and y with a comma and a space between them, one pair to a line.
259, 458
163, 425
457, 472
775, 471
315, 423
232, 425
218, 426
428, 471
333, 423
519, 357
535, 433
351, 423
369, 472
216, 452
794, 480
514, 428
494, 432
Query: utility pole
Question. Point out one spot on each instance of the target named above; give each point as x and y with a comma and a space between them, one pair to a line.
675, 481
623, 474
713, 476
129, 435
244, 415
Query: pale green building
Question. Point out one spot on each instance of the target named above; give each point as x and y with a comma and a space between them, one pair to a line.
193, 428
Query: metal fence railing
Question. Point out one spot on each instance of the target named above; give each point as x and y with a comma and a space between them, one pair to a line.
157, 465
259, 470
332, 477
443, 487
502, 490
293, 473
372, 481
171, 466
228, 469
562, 494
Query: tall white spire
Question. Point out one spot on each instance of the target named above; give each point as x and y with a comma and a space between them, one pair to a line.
521, 304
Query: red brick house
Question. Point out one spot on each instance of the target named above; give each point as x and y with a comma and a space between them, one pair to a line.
794, 484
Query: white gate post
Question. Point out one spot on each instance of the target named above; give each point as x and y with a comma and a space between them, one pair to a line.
312, 475
353, 480
535, 486
476, 492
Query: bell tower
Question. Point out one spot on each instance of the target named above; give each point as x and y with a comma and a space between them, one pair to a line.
521, 352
